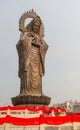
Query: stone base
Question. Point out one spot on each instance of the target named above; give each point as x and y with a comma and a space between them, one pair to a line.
28, 99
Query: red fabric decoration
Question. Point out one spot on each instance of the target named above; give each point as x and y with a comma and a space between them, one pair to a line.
34, 109
56, 120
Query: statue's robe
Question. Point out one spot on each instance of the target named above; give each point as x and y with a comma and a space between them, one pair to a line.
31, 66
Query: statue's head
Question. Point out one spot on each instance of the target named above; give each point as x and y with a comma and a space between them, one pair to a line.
36, 23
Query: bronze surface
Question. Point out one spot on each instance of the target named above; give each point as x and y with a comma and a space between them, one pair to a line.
31, 50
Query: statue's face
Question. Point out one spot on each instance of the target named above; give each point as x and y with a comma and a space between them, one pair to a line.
36, 29
36, 24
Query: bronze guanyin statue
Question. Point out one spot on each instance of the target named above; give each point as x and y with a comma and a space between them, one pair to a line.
31, 50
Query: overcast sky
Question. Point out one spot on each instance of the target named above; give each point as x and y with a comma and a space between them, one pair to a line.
61, 20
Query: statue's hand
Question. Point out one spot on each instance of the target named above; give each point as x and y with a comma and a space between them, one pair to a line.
30, 37
36, 39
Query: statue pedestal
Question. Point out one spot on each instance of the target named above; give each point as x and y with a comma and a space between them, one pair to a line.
28, 99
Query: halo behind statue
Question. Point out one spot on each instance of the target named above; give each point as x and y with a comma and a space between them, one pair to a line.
29, 14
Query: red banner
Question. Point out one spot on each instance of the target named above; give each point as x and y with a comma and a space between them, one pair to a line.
34, 108
56, 120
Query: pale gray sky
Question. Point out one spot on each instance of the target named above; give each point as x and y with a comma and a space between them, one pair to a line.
61, 20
